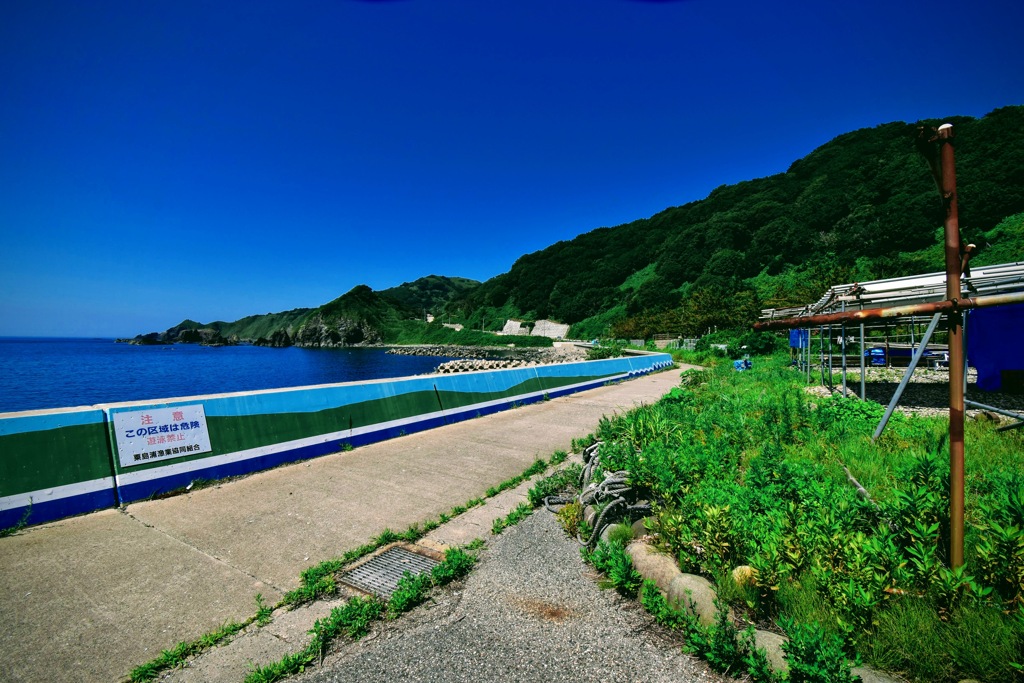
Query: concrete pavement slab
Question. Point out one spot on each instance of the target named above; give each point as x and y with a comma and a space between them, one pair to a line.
289, 631
84, 599
276, 524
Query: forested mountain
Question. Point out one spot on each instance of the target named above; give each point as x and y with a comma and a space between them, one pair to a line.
861, 205
430, 293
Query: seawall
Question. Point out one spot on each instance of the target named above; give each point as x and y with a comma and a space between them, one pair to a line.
58, 463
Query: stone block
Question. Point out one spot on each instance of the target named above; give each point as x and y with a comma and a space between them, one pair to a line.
694, 593
651, 564
771, 643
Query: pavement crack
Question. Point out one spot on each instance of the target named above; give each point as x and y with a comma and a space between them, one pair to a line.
215, 558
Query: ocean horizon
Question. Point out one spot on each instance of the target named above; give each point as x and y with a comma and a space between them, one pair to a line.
38, 373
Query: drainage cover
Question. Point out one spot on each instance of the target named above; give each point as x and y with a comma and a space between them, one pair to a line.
381, 574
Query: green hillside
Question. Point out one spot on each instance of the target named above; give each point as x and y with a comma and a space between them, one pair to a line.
358, 316
862, 206
431, 293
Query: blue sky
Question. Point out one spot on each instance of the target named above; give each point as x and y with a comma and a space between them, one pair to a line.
171, 159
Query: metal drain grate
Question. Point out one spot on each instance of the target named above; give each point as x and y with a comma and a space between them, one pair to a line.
381, 574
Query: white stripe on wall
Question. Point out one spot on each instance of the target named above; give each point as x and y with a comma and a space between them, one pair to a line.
55, 493
128, 478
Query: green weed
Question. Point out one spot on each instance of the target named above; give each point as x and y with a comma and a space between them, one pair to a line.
814, 655
411, 591
745, 468
611, 559
554, 484
263, 611
19, 525
518, 514
176, 656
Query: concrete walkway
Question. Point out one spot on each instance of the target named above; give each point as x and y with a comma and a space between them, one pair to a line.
89, 598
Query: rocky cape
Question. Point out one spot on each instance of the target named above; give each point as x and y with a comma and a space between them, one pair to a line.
358, 317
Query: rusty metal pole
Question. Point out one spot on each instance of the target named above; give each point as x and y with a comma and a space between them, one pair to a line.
956, 350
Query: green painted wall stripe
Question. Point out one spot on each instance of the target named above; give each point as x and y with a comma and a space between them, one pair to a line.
54, 457
244, 432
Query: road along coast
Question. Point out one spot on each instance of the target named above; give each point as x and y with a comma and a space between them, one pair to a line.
90, 597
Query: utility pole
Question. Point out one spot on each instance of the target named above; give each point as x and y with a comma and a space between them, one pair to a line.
956, 348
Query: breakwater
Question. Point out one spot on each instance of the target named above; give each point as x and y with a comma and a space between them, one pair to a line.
565, 353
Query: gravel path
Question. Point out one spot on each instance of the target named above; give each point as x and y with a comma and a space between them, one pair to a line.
530, 611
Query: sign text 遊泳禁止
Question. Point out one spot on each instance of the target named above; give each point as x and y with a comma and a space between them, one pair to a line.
161, 434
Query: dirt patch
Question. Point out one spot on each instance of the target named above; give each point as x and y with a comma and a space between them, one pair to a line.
546, 611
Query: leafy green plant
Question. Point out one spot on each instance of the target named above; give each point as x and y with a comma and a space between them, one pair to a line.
263, 611
719, 643
755, 660
814, 655
611, 559
656, 604
457, 563
412, 590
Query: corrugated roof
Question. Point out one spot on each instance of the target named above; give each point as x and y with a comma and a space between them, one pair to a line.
1004, 278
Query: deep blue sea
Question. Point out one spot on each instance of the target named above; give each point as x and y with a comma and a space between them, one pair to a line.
58, 373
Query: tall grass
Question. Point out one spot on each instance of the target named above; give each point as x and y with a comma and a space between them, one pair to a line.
750, 469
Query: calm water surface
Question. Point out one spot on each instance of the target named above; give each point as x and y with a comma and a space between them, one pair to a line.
57, 373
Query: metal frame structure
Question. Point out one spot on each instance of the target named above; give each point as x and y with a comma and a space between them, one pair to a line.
902, 297
901, 300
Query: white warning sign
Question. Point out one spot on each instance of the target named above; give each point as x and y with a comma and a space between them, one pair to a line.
161, 434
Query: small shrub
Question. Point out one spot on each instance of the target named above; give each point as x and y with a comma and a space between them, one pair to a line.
570, 516
612, 560
412, 589
719, 643
815, 656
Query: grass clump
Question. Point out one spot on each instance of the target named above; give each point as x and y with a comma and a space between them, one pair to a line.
176, 656
518, 514
558, 482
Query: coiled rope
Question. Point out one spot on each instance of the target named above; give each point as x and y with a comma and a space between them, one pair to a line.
612, 493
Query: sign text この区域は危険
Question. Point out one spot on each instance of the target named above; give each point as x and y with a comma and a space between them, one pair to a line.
160, 434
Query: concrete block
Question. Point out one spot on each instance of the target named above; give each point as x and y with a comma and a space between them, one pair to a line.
690, 590
771, 643
651, 564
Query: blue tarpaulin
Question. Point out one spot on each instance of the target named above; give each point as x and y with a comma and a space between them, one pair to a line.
799, 339
995, 343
